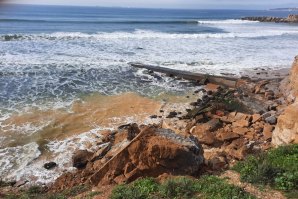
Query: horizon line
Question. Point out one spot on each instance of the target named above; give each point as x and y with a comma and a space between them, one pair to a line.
130, 7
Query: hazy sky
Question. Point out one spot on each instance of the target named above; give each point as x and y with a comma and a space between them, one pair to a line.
217, 4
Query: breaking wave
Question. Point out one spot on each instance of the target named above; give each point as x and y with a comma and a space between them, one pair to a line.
141, 34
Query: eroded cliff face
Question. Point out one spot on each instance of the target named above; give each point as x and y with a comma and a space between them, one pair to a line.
286, 131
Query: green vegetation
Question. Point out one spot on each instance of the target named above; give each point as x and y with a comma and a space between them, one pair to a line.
37, 192
277, 168
210, 187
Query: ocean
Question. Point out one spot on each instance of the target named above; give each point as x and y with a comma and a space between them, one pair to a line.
52, 57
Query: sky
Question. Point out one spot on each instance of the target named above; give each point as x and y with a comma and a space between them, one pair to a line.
195, 4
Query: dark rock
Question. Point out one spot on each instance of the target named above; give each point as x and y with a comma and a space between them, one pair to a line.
153, 116
194, 104
50, 165
81, 158
271, 120
21, 183
172, 114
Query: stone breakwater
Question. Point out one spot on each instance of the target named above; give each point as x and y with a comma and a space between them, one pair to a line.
289, 19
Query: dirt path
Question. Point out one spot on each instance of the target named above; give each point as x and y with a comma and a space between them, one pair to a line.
234, 178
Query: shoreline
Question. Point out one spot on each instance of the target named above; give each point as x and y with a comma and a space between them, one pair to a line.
179, 116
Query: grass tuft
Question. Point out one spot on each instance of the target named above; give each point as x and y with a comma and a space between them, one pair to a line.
210, 187
277, 168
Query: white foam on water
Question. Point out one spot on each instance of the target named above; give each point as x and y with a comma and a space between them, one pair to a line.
26, 162
147, 34
15, 160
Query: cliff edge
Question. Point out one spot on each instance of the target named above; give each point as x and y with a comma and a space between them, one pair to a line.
286, 131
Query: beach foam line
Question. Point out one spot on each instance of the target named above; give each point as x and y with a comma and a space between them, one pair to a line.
142, 34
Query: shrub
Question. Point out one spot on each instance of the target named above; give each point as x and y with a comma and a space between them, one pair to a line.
210, 187
213, 187
178, 188
277, 168
140, 189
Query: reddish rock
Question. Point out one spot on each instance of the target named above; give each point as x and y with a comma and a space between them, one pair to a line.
242, 116
237, 149
211, 87
152, 153
223, 135
241, 123
210, 126
240, 130
219, 113
204, 137
256, 118
251, 135
286, 130
106, 135
267, 131
218, 163
259, 87
101, 152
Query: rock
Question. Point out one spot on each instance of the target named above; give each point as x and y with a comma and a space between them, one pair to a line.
267, 131
21, 183
223, 135
107, 136
259, 88
152, 153
241, 123
50, 165
286, 130
101, 152
240, 130
289, 19
289, 86
153, 116
212, 87
205, 137
237, 149
271, 120
128, 131
266, 115
218, 162
269, 95
256, 118
210, 126
81, 158
250, 135
172, 114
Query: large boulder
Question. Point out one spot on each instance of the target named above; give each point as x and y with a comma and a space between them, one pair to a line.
152, 153
286, 131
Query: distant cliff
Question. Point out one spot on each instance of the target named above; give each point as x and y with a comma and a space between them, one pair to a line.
289, 19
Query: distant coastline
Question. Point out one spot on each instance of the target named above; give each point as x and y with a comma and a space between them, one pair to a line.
284, 9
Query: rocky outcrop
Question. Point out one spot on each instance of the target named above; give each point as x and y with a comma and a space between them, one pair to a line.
154, 151
289, 19
286, 130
